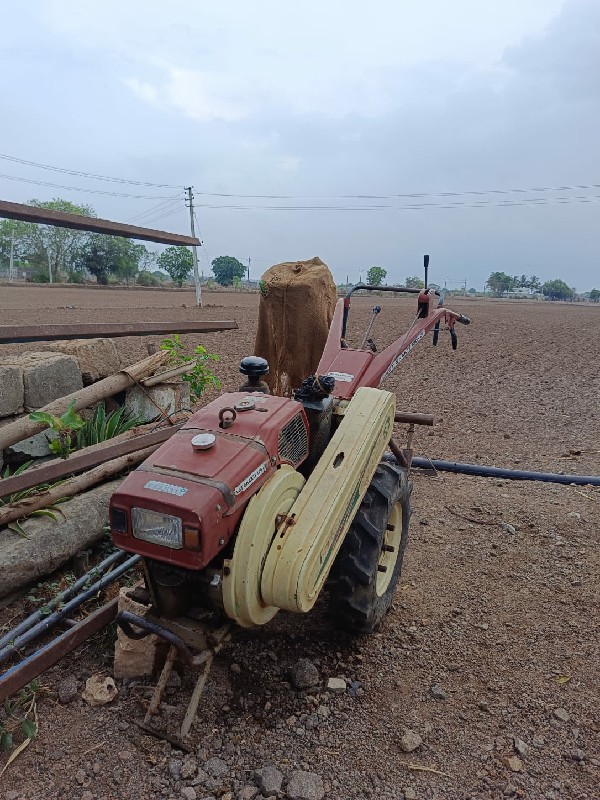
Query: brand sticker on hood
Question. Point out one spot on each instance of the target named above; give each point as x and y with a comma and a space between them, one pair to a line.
254, 476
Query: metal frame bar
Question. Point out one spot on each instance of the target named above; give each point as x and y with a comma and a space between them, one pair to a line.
60, 219
15, 334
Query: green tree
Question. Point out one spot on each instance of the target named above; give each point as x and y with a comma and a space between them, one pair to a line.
56, 250
104, 255
557, 290
414, 282
376, 276
178, 262
595, 295
534, 283
226, 268
500, 282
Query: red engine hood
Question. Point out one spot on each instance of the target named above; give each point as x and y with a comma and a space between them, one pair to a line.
208, 490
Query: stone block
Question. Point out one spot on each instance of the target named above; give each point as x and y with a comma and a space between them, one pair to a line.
46, 376
146, 403
134, 658
97, 358
12, 394
35, 446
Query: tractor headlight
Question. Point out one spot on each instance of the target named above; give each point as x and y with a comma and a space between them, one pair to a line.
156, 528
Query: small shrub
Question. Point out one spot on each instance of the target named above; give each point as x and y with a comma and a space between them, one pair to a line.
200, 376
146, 278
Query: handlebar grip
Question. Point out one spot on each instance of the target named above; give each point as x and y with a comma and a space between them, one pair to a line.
463, 320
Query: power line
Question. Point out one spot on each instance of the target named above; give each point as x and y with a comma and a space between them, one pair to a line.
86, 174
407, 195
155, 209
534, 201
88, 191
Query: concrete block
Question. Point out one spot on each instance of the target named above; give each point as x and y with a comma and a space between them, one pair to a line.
134, 658
46, 376
145, 403
97, 358
12, 394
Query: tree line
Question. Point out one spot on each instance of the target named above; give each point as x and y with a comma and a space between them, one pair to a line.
51, 254
557, 289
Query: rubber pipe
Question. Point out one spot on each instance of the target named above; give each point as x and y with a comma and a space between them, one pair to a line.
51, 620
31, 620
511, 474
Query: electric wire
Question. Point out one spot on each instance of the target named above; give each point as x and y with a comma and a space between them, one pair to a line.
88, 191
85, 174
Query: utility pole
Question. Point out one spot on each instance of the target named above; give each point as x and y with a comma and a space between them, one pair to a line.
190, 199
12, 253
249, 259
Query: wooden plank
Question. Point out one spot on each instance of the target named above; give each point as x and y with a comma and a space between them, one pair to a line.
59, 219
87, 458
21, 674
14, 334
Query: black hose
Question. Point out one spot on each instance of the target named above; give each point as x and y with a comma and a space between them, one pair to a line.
497, 472
51, 620
95, 572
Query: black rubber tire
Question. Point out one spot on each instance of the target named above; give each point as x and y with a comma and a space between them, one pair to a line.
354, 604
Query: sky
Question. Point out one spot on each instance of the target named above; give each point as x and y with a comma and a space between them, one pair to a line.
366, 133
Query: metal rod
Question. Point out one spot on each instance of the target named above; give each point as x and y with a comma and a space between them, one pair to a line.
413, 419
23, 673
59, 219
31, 620
51, 620
14, 334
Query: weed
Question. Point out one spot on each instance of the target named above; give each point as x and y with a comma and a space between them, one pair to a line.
102, 426
200, 376
64, 426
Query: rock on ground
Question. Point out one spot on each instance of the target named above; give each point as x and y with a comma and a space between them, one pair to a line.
304, 674
305, 786
269, 780
410, 741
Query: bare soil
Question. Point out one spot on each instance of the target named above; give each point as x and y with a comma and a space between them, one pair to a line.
497, 605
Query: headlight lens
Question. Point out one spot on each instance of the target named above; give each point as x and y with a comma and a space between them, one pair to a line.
156, 528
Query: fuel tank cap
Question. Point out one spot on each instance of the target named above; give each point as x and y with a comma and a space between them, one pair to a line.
247, 404
204, 441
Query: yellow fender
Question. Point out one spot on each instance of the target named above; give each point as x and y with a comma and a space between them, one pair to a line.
307, 543
241, 574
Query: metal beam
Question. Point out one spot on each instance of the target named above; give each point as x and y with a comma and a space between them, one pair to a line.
14, 334
85, 459
59, 219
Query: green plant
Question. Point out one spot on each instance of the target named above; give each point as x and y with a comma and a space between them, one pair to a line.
64, 426
199, 376
19, 714
264, 290
18, 497
102, 426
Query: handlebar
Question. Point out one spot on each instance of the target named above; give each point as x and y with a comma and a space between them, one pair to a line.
463, 320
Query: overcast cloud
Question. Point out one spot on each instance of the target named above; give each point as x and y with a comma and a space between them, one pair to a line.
317, 100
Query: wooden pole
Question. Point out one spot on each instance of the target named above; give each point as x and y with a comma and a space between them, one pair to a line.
24, 427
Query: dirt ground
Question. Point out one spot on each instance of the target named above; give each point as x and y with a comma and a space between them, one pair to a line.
497, 608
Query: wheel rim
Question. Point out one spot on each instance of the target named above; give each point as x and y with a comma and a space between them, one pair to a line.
389, 550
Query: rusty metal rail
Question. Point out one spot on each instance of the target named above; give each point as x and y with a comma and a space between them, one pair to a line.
15, 334
60, 219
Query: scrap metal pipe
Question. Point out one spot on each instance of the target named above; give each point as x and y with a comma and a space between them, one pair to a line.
511, 474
